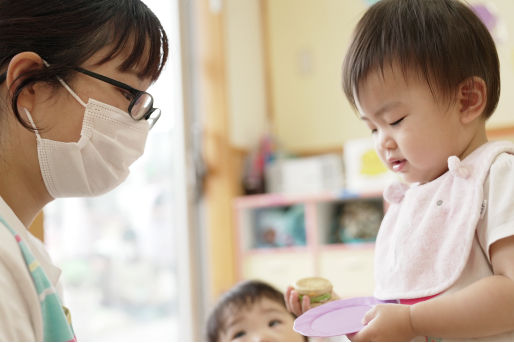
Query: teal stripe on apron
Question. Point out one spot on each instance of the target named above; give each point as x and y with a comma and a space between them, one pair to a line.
56, 327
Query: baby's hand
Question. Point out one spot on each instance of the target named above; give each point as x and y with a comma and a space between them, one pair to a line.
293, 303
386, 322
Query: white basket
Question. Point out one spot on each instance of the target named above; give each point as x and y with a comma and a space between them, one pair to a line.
308, 175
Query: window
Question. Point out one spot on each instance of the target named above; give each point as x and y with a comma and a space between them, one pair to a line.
119, 253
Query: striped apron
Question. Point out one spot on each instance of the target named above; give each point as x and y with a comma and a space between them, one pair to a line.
56, 318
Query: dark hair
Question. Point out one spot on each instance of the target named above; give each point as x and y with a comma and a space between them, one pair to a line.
243, 294
67, 32
442, 40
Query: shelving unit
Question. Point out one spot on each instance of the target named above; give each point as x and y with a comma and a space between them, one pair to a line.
329, 246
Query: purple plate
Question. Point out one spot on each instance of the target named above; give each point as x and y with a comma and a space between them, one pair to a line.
335, 318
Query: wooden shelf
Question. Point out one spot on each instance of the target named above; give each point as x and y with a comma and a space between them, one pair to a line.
276, 199
281, 266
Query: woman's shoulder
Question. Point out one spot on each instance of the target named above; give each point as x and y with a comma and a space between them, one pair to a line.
19, 304
9, 250
15, 287
12, 230
19, 301
8, 230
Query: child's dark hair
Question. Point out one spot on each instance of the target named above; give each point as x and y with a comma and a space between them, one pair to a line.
67, 33
243, 294
442, 40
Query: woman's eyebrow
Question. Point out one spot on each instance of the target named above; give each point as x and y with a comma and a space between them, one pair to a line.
132, 72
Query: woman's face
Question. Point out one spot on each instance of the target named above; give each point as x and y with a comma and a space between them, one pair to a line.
60, 116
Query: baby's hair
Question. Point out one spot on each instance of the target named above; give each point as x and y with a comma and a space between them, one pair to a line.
242, 295
442, 40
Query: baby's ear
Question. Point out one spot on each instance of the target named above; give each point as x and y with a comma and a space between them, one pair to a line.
471, 98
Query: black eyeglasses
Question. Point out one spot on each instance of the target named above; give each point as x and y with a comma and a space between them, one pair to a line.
141, 105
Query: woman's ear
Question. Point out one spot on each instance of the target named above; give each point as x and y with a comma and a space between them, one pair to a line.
19, 65
472, 99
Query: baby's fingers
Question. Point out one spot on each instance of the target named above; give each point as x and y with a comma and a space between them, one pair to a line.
294, 303
306, 304
287, 296
362, 336
369, 315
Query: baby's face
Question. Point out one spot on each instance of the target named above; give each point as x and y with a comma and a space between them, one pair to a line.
264, 320
414, 132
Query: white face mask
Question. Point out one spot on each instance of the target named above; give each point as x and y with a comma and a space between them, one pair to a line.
110, 141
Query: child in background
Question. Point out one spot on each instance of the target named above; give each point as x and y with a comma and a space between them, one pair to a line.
424, 77
252, 311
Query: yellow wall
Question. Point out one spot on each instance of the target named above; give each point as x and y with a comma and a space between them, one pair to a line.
307, 42
245, 73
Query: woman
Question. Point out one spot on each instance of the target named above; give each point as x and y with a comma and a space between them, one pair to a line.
75, 115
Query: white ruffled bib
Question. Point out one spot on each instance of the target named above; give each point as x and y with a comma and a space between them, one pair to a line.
425, 238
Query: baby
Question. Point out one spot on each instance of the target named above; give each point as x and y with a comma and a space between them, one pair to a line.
424, 77
252, 311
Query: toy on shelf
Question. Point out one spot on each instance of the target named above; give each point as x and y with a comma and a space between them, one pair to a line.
280, 227
253, 179
358, 221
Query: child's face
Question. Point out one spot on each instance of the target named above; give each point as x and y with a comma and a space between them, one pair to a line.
414, 133
264, 320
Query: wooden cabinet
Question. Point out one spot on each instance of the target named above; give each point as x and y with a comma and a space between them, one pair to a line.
282, 238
